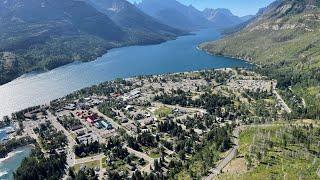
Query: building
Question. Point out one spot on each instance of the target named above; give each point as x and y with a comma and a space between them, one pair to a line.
134, 93
147, 121
91, 119
29, 115
131, 95
108, 126
70, 107
131, 127
129, 108
74, 128
87, 138
98, 125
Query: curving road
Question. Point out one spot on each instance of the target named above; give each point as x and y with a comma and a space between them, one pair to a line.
283, 104
233, 152
226, 160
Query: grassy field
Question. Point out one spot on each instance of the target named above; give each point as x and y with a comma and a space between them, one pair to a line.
104, 164
277, 152
154, 155
163, 112
91, 164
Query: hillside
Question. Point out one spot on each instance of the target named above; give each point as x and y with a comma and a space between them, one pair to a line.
175, 14
276, 151
42, 35
284, 40
128, 16
246, 18
45, 34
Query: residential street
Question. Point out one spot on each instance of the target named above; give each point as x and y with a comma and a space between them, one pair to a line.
146, 168
71, 141
113, 123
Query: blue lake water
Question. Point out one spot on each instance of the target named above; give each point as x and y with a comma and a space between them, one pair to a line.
3, 134
10, 164
172, 56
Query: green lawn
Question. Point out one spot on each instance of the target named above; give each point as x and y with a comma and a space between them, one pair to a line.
104, 165
91, 164
154, 155
163, 112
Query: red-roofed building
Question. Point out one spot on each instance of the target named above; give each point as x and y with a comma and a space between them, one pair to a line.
91, 119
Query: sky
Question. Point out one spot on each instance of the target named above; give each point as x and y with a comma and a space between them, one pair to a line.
238, 7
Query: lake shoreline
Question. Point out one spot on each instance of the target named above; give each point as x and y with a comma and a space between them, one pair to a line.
127, 78
9, 164
39, 71
173, 56
248, 60
16, 151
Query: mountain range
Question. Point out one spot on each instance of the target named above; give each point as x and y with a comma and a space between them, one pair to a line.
127, 16
178, 15
175, 14
223, 18
45, 34
283, 39
39, 35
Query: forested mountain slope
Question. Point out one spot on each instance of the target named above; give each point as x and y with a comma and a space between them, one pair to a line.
128, 16
284, 39
45, 34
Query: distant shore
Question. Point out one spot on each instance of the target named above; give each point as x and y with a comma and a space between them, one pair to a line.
42, 70
248, 60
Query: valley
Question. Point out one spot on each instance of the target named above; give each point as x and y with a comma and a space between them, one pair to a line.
43, 35
159, 89
173, 56
161, 124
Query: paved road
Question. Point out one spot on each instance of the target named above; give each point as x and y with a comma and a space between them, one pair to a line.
71, 141
280, 100
233, 152
113, 123
304, 103
130, 150
28, 128
146, 168
94, 132
188, 109
226, 160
